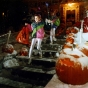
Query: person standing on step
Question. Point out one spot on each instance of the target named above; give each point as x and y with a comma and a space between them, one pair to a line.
55, 22
37, 34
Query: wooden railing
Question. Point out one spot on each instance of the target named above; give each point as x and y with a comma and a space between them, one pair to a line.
8, 37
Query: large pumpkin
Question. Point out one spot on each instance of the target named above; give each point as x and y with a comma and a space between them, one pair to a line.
72, 67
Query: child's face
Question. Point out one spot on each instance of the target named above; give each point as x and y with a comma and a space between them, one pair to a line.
37, 19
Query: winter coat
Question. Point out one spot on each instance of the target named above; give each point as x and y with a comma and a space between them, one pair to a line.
37, 30
56, 21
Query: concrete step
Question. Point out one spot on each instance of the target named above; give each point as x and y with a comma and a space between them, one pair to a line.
34, 75
38, 74
9, 83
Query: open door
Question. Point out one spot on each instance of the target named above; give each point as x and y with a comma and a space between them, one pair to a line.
70, 17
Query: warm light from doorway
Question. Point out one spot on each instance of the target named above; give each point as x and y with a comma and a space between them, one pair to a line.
70, 4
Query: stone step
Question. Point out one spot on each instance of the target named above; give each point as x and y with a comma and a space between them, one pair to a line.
46, 53
42, 70
44, 62
38, 74
33, 76
8, 83
54, 44
36, 58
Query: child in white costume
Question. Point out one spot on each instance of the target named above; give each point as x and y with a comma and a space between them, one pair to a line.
55, 22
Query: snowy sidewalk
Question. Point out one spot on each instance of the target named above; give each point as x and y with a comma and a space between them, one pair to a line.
56, 83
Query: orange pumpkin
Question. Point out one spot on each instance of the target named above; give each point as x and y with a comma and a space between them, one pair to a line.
73, 30
70, 40
23, 51
72, 67
70, 72
8, 48
68, 31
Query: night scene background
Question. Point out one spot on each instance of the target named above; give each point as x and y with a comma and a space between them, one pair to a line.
12, 13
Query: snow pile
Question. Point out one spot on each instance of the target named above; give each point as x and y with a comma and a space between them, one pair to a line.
9, 62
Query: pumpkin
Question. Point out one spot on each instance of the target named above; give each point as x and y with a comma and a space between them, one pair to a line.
68, 31
8, 48
72, 67
70, 40
67, 45
73, 30
83, 48
23, 51
71, 35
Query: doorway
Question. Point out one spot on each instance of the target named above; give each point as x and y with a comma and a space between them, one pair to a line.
70, 17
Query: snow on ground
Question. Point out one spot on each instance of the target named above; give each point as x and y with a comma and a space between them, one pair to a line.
56, 83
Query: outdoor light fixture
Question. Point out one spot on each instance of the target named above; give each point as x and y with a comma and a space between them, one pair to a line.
3, 14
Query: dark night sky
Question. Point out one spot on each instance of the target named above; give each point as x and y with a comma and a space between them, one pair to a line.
14, 12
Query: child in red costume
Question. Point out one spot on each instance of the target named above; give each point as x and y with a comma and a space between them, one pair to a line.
23, 36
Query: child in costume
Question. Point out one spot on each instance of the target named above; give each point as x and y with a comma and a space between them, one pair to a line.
37, 34
54, 22
23, 36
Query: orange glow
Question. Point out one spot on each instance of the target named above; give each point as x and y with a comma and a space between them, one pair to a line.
70, 4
